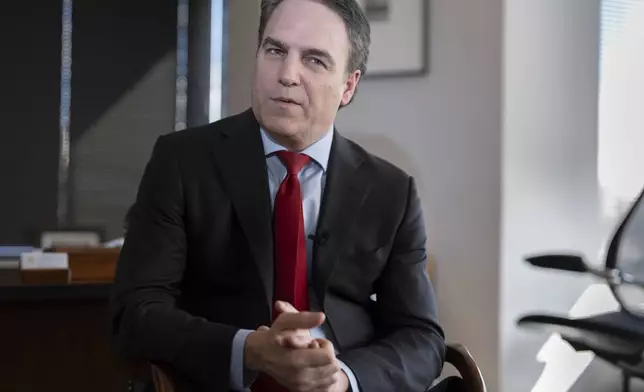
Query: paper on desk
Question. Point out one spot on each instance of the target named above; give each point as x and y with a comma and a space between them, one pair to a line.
39, 260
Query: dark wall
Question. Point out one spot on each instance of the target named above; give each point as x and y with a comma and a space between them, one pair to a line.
122, 98
29, 133
115, 44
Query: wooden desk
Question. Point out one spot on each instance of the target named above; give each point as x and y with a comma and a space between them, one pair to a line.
91, 265
57, 338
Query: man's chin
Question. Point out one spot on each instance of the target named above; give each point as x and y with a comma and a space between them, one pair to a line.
281, 125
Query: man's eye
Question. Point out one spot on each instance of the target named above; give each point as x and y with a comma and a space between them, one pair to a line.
274, 51
316, 62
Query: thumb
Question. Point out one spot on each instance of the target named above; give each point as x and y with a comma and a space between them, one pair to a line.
284, 307
302, 320
263, 328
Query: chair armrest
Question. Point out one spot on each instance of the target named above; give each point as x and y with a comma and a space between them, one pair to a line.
162, 381
462, 360
456, 354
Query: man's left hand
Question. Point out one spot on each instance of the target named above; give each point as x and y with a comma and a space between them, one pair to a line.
341, 383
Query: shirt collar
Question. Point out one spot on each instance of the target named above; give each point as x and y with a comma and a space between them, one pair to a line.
318, 151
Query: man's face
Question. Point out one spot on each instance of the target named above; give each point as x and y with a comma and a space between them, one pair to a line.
301, 76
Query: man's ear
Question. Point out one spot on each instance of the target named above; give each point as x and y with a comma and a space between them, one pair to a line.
350, 87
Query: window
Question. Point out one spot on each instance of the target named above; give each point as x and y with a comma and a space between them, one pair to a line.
216, 59
621, 105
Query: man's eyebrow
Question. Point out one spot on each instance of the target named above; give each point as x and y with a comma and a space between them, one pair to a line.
320, 53
270, 41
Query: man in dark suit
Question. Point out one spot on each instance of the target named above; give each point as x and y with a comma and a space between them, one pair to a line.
257, 243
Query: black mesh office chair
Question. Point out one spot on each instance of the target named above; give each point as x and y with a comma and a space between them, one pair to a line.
616, 337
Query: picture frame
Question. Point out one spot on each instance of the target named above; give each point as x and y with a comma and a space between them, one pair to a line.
399, 37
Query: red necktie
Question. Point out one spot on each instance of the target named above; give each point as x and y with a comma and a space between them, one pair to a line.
290, 268
290, 241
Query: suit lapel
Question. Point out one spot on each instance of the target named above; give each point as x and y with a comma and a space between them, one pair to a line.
240, 158
345, 191
239, 154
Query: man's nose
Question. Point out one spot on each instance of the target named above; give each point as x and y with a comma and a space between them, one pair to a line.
289, 72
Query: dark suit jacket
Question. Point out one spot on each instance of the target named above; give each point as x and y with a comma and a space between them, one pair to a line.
197, 263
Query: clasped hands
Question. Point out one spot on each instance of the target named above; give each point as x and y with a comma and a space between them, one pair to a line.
288, 353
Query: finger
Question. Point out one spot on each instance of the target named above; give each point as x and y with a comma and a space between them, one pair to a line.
325, 344
285, 307
311, 358
294, 340
302, 320
314, 379
297, 342
263, 328
326, 384
325, 376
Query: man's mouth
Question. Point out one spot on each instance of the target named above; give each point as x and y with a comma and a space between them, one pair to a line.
286, 100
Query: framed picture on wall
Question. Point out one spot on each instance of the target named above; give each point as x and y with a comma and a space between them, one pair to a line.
399, 37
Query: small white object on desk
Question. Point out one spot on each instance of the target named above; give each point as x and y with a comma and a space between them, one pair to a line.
69, 238
40, 260
115, 243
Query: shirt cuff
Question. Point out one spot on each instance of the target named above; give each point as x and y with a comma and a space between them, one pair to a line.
353, 381
240, 378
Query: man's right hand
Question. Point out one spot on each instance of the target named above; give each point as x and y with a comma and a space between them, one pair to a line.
308, 369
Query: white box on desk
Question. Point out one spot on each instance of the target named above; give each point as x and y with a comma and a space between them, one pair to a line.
40, 260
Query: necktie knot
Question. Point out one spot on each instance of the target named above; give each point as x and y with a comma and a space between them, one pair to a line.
293, 161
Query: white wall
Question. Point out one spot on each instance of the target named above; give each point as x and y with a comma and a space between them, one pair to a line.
551, 77
445, 129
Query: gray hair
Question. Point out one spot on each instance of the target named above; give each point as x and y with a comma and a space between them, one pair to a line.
355, 20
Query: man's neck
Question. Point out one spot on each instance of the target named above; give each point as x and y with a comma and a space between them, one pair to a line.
299, 142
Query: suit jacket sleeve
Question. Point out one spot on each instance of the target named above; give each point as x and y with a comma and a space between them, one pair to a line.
145, 317
410, 350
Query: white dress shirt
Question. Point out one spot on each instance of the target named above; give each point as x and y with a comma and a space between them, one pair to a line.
312, 181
